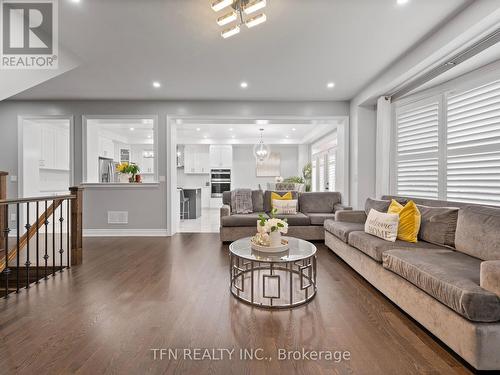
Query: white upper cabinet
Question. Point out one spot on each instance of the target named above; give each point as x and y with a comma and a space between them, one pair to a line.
196, 159
54, 148
221, 156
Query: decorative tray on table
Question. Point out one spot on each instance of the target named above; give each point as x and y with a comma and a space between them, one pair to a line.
269, 249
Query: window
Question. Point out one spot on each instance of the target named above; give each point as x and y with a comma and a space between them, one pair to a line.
417, 151
321, 173
332, 159
114, 141
314, 175
473, 145
448, 147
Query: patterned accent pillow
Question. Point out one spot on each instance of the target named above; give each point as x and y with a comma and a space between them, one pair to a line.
285, 207
382, 225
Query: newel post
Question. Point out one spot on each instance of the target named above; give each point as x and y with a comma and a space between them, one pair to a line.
76, 225
3, 195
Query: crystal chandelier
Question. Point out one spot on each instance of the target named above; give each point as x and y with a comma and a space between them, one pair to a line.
261, 151
242, 13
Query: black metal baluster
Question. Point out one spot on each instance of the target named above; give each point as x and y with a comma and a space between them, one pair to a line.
67, 234
18, 225
6, 270
61, 250
37, 241
46, 256
27, 226
53, 238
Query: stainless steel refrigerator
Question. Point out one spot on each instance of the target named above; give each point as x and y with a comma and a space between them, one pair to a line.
106, 170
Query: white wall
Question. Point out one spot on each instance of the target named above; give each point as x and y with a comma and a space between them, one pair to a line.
243, 171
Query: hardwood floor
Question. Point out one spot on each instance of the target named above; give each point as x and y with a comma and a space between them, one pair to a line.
134, 295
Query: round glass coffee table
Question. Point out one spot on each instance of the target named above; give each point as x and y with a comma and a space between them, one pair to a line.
273, 280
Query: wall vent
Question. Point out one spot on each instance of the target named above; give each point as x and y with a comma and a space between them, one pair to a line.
117, 217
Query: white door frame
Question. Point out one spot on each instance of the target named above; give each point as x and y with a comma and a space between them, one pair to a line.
171, 142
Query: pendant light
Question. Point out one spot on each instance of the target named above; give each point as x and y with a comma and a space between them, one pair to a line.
261, 151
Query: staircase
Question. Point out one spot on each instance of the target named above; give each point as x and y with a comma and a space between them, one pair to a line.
38, 248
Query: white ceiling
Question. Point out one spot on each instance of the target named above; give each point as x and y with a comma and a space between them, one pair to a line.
248, 132
125, 45
130, 131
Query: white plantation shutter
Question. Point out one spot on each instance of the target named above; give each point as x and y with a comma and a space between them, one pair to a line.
332, 154
321, 172
314, 175
417, 149
473, 145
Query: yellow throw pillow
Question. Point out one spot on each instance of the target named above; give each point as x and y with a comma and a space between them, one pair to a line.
409, 220
285, 197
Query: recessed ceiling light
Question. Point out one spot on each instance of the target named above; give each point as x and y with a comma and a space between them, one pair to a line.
330, 85
75, 1
233, 136
149, 136
287, 136
403, 2
262, 122
293, 129
198, 129
230, 129
205, 136
156, 84
132, 129
243, 85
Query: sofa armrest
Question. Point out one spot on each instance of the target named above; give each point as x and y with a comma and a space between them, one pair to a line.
225, 210
350, 216
341, 207
489, 276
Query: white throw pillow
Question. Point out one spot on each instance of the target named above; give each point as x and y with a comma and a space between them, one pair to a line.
382, 225
285, 206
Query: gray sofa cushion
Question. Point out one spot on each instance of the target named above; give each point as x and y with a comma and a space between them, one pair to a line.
341, 229
319, 218
241, 220
374, 247
449, 276
257, 199
320, 202
438, 225
296, 220
478, 232
267, 198
377, 205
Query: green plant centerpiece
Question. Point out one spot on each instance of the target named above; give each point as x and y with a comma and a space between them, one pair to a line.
269, 230
131, 169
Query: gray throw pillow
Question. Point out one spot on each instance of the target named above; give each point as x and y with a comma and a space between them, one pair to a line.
438, 225
377, 205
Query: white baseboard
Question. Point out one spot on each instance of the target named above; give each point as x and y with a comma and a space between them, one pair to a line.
125, 233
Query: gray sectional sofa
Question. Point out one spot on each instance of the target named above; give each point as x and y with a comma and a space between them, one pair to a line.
313, 210
449, 281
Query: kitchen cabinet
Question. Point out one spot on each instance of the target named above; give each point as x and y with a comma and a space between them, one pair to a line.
196, 159
54, 152
106, 148
221, 156
148, 161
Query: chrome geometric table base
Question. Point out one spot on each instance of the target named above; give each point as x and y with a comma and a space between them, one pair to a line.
273, 285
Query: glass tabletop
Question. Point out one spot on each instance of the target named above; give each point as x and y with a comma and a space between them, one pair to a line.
298, 249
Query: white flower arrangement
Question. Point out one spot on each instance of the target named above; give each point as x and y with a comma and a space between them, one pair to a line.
266, 226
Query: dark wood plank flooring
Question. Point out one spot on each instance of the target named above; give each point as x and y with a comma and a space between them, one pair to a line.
132, 295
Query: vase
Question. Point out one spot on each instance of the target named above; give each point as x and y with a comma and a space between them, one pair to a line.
124, 178
275, 238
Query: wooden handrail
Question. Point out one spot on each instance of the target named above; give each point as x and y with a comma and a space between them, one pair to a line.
75, 200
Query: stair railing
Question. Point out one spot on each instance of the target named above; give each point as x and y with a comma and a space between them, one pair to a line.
50, 241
